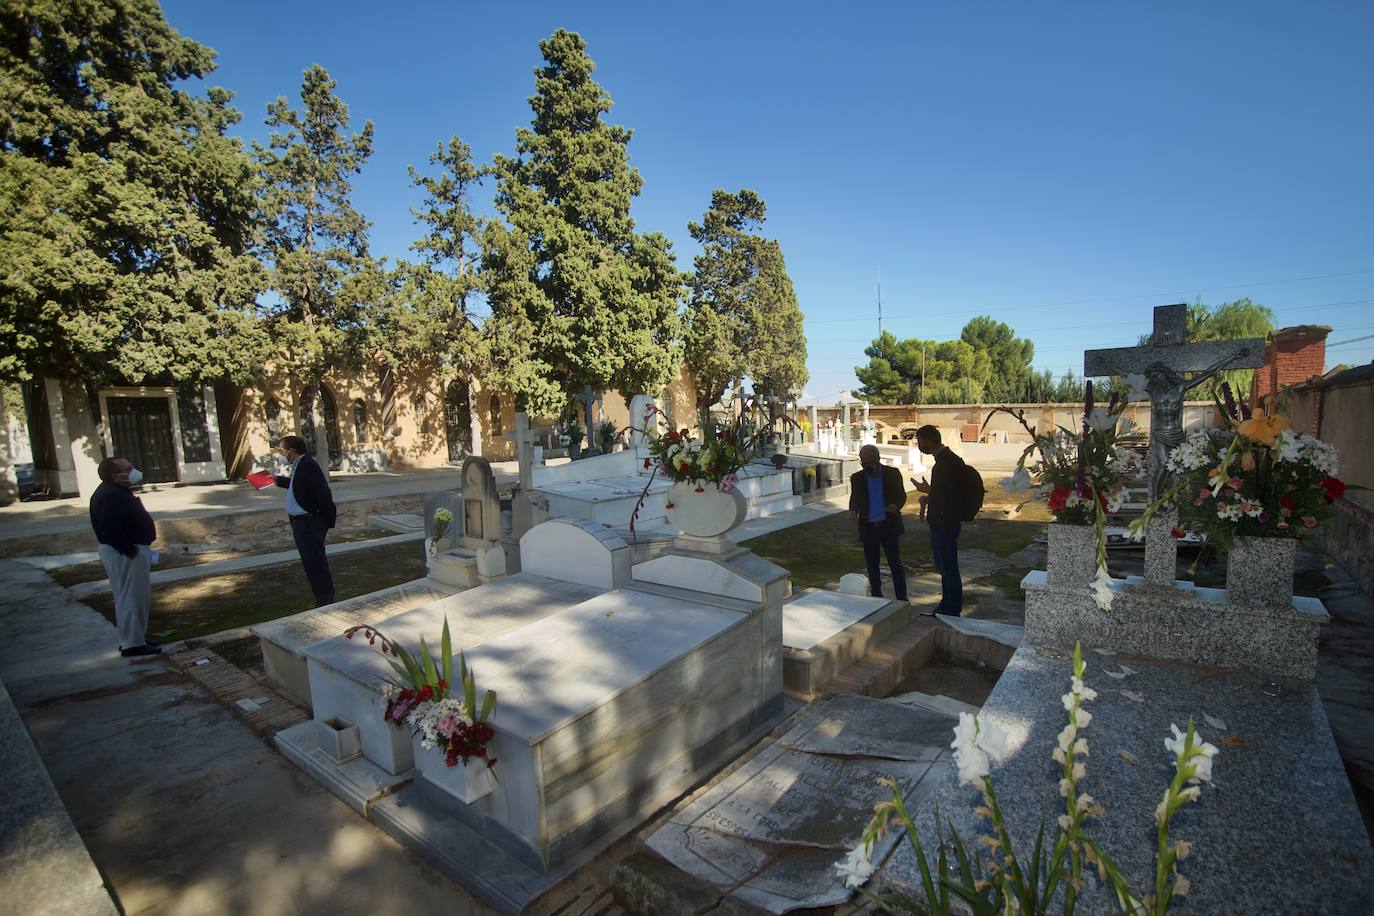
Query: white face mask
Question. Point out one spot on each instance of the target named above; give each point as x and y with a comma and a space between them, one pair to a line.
135, 477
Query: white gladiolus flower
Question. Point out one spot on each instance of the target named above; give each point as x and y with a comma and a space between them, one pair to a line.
1102, 589
977, 746
1135, 382
856, 868
1081, 690
1081, 717
1100, 420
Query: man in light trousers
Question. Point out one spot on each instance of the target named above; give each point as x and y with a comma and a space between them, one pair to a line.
124, 530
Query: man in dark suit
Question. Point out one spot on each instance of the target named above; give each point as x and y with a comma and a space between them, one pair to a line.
876, 497
943, 496
310, 506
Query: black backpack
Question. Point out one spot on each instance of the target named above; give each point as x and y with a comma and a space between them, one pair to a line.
971, 499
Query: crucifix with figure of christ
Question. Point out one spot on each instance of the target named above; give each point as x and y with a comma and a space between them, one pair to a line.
1163, 363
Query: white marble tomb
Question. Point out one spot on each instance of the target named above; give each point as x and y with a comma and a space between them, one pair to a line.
614, 697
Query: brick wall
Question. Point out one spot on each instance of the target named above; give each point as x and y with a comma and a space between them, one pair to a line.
1291, 355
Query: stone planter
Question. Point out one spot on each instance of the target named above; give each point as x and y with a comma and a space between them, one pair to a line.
1260, 571
705, 514
465, 782
1072, 557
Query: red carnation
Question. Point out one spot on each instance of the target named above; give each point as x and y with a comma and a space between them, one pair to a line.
426, 692
1288, 502
1059, 497
646, 464
1334, 488
1176, 532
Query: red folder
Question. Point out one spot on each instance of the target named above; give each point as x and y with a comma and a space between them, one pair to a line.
261, 479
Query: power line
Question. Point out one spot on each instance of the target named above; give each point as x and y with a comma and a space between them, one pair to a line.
1168, 294
1351, 340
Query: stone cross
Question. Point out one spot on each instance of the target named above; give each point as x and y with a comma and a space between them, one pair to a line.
588, 397
1163, 364
524, 439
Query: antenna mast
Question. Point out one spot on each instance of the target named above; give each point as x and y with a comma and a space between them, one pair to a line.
880, 298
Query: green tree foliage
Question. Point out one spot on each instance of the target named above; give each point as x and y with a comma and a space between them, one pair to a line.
127, 213
777, 350
430, 319
577, 296
742, 316
1010, 355
314, 240
915, 371
1227, 321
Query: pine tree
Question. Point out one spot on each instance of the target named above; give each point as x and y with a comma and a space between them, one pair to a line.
313, 238
577, 296
127, 213
430, 319
742, 316
777, 347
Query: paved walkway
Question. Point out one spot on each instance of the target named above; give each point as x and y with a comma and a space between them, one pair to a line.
49, 516
183, 809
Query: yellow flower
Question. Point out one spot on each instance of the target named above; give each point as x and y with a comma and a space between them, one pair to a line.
1261, 429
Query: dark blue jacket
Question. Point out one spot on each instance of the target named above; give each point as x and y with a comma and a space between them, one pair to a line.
945, 504
312, 490
894, 494
120, 520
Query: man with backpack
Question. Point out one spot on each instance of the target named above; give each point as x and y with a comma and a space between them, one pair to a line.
948, 497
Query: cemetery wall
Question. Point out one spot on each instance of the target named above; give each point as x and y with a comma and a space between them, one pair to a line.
1338, 410
398, 424
905, 418
678, 401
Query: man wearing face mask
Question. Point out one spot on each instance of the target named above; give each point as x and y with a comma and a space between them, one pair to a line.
876, 497
124, 530
310, 505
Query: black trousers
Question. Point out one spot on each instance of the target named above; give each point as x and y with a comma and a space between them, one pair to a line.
309, 532
886, 538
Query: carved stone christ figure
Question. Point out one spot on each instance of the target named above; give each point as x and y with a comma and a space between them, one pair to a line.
1167, 388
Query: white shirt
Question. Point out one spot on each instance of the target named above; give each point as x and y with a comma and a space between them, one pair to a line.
293, 508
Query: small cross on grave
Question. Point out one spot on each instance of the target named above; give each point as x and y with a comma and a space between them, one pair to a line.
524, 438
1163, 363
588, 397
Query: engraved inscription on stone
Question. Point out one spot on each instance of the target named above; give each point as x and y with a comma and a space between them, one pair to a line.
472, 518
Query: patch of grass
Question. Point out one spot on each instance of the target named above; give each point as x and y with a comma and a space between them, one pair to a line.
198, 607
822, 551
67, 576
1008, 582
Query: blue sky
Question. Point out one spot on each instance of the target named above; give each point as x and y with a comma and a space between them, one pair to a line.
1062, 167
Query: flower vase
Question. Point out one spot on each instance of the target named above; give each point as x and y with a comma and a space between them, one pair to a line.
1072, 557
703, 511
466, 782
574, 451
1259, 570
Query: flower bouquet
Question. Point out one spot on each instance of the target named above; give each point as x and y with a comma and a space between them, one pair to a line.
443, 518
676, 455
1254, 478
1081, 475
456, 726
